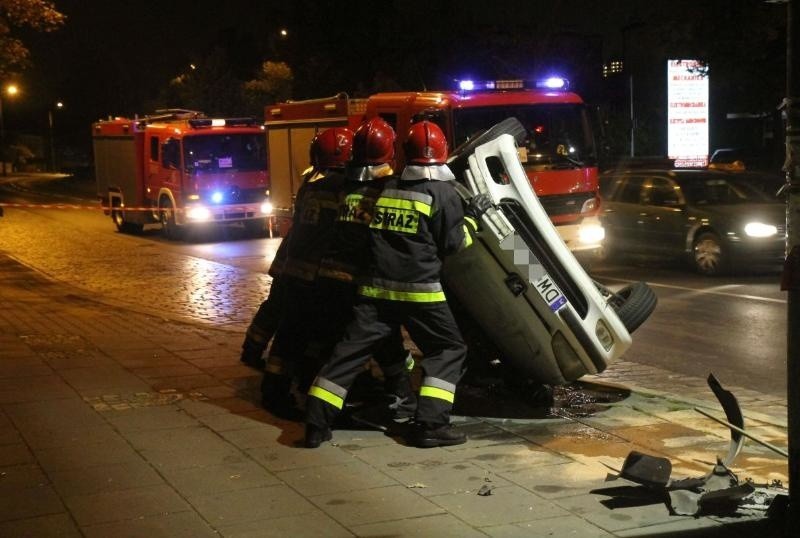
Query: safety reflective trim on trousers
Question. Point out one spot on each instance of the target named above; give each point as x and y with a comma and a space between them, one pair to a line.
325, 396
418, 292
328, 391
433, 387
472, 222
433, 392
439, 384
467, 237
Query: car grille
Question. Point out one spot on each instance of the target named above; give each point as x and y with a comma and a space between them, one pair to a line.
564, 204
519, 219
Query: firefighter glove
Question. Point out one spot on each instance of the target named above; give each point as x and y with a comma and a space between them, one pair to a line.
478, 205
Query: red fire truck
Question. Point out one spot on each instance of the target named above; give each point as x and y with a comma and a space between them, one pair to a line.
180, 169
558, 154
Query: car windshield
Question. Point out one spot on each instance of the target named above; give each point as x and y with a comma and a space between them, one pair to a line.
722, 191
556, 134
225, 151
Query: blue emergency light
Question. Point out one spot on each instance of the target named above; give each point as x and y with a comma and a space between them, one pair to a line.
217, 197
549, 83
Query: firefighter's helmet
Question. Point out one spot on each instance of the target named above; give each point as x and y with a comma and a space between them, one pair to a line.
425, 144
373, 143
332, 148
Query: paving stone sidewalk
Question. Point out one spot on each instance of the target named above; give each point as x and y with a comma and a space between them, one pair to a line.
121, 423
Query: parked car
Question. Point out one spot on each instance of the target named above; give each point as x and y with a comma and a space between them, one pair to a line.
717, 220
730, 159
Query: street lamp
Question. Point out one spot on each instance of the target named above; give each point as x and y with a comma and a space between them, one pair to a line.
11, 90
58, 105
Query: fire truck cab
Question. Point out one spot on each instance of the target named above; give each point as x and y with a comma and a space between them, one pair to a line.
180, 169
558, 154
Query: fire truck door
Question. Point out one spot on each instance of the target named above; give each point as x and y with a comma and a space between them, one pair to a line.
167, 173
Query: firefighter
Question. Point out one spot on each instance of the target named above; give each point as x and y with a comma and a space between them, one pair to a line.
347, 258
418, 219
268, 316
316, 208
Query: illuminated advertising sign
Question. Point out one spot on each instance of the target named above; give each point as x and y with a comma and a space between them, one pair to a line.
687, 112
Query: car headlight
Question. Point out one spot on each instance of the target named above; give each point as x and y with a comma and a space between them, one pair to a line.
591, 233
759, 229
198, 213
267, 208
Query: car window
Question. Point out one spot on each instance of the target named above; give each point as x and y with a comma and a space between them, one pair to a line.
661, 192
721, 191
630, 192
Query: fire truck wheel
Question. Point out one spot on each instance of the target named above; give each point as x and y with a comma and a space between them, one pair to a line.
168, 226
123, 226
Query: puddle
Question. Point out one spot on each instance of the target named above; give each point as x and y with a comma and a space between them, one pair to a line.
498, 400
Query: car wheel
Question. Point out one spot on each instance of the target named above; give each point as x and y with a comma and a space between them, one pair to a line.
708, 255
633, 303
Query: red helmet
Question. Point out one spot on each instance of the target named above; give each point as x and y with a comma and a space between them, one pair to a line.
425, 144
373, 143
331, 148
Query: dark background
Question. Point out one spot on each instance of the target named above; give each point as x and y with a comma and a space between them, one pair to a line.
116, 57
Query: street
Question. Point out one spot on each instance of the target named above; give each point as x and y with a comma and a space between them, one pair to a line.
733, 326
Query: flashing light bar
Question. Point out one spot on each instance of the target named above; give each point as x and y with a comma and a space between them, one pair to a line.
550, 83
222, 122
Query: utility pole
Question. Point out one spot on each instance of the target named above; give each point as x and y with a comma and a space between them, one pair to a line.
790, 281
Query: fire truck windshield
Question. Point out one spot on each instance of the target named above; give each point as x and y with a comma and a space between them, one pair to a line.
558, 135
241, 152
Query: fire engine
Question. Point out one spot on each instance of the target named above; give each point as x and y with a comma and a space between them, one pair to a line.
558, 154
180, 168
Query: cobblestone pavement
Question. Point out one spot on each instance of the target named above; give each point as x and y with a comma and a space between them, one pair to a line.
141, 274
115, 422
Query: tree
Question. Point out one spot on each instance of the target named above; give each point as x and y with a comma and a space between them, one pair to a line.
272, 84
39, 15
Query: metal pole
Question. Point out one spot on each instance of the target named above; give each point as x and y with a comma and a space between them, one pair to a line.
791, 277
2, 137
52, 142
633, 119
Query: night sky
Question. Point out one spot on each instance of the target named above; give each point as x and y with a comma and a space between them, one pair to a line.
113, 56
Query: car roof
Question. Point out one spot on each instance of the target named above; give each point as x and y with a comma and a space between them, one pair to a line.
681, 173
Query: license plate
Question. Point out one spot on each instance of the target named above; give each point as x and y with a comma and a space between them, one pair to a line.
550, 293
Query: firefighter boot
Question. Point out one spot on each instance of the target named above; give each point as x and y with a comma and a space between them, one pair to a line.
316, 435
276, 397
402, 399
424, 435
252, 353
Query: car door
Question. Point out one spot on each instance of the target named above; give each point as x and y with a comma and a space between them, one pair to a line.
663, 217
621, 213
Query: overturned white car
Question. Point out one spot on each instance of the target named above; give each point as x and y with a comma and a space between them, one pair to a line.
533, 305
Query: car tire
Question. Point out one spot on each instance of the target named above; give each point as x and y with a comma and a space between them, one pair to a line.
633, 304
708, 256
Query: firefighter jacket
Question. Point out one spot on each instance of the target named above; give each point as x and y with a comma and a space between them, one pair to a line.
316, 209
416, 223
348, 253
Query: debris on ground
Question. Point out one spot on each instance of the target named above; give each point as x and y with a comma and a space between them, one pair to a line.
719, 492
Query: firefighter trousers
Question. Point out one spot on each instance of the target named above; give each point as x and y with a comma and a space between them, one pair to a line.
432, 328
268, 316
336, 300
